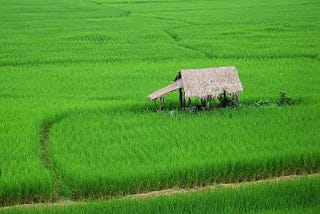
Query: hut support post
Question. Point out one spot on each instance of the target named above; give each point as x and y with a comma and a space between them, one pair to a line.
184, 102
236, 101
161, 103
180, 98
203, 102
155, 104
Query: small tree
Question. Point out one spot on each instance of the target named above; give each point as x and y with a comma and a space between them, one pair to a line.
284, 99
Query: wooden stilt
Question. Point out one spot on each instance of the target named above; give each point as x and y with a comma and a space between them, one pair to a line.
184, 101
224, 100
180, 98
236, 101
161, 103
203, 102
155, 103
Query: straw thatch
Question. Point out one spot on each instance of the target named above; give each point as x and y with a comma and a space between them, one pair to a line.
204, 83
210, 82
163, 91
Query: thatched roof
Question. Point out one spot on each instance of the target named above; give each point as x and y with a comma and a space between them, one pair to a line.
210, 81
163, 91
203, 83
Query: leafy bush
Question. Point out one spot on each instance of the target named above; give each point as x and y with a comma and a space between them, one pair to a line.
285, 100
263, 102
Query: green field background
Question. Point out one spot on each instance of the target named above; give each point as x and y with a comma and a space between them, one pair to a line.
83, 69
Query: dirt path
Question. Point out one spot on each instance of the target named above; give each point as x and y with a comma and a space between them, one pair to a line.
217, 186
164, 192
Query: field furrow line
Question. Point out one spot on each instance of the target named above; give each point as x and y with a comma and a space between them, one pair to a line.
178, 43
61, 189
165, 192
172, 191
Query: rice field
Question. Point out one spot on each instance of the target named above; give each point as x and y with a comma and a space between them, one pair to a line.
75, 122
109, 156
293, 196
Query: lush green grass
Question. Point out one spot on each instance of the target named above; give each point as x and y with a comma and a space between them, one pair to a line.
296, 196
92, 64
120, 153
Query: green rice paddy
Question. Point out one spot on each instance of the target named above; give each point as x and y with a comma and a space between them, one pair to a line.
284, 197
75, 122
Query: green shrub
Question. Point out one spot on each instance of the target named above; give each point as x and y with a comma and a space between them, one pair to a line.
263, 102
284, 99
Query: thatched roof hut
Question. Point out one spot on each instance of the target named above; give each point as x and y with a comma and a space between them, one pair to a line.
203, 83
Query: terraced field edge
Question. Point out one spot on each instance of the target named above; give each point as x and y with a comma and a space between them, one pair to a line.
166, 192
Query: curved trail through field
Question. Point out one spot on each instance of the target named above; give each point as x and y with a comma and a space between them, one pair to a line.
164, 192
61, 189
